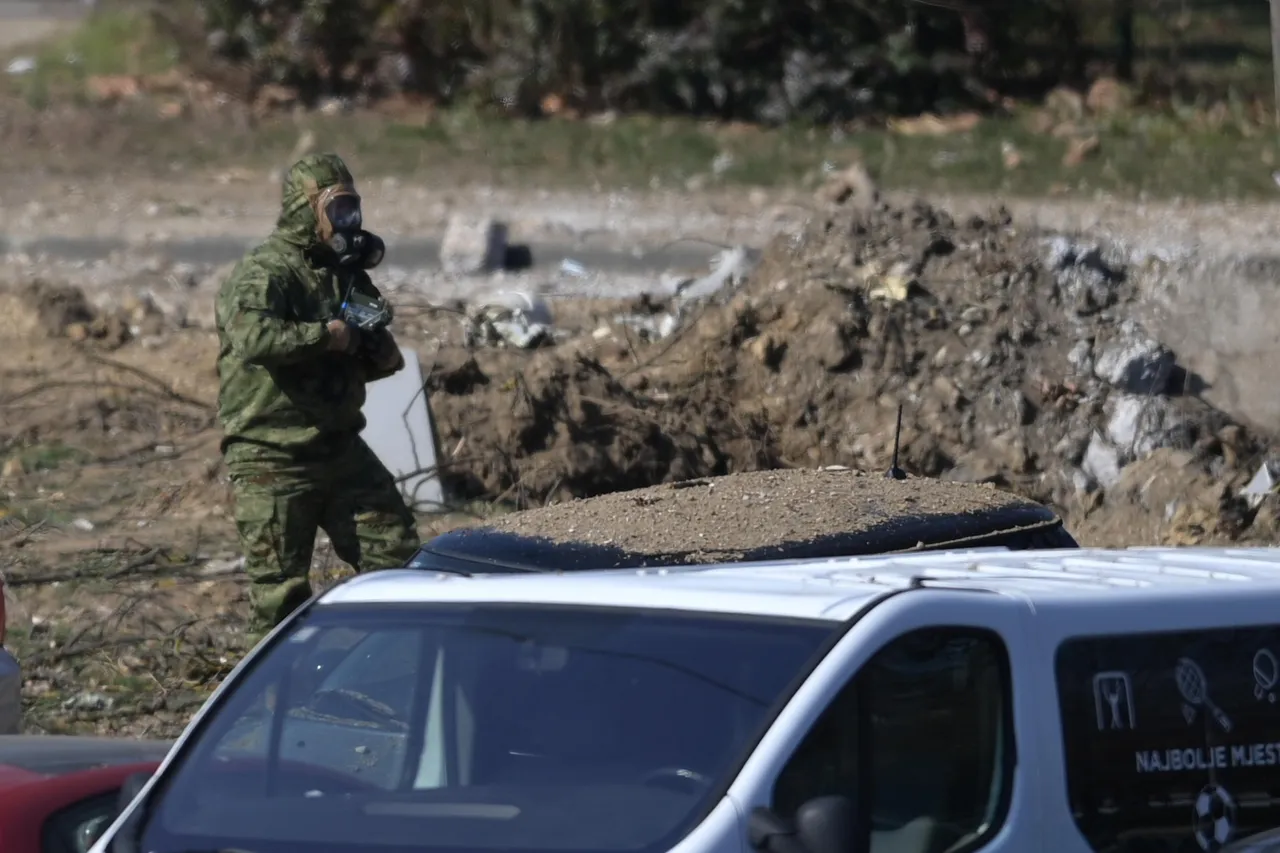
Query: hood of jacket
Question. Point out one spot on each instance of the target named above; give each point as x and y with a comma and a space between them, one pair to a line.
304, 181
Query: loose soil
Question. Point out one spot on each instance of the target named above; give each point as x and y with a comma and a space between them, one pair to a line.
727, 518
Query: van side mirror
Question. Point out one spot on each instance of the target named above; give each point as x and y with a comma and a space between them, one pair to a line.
822, 825
130, 788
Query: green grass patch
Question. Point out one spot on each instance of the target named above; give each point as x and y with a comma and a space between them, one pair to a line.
1181, 153
51, 457
108, 43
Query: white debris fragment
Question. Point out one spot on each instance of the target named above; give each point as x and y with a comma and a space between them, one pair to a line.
1140, 424
398, 429
1262, 484
1135, 362
21, 65
473, 246
82, 524
1101, 462
572, 268
517, 318
728, 269
651, 327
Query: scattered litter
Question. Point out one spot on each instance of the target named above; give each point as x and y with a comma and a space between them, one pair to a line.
650, 327
1262, 484
88, 702
215, 568
509, 318
22, 65
82, 524
894, 285
571, 267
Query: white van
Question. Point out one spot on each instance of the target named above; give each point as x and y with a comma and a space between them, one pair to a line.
1068, 701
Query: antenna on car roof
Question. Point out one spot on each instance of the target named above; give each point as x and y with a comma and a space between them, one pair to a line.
894, 472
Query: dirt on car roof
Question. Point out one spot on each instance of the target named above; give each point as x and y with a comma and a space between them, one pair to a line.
741, 513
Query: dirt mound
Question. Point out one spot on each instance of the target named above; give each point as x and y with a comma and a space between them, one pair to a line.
1011, 351
57, 310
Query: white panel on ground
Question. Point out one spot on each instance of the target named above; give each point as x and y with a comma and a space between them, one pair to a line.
400, 432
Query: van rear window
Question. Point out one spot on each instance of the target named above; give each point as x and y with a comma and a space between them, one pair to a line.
1172, 740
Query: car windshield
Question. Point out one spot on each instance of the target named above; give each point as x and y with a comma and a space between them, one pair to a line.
481, 727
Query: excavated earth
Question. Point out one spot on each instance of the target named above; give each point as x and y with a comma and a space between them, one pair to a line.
1012, 354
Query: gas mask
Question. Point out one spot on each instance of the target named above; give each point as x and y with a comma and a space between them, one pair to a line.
338, 224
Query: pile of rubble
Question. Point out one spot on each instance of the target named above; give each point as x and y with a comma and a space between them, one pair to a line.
1013, 353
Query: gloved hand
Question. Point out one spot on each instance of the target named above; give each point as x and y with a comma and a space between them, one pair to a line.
385, 355
343, 337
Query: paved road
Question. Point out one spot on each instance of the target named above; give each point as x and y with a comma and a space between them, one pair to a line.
24, 22
410, 253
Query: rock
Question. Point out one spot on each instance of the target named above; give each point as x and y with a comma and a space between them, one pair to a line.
852, 185
1135, 363
1081, 356
1079, 150
835, 348
1065, 104
1101, 462
13, 468
767, 350
1086, 278
1108, 97
976, 467
1140, 424
473, 247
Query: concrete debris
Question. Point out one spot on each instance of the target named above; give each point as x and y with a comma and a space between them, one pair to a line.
1141, 424
473, 246
1085, 276
1135, 363
1101, 462
1081, 356
516, 318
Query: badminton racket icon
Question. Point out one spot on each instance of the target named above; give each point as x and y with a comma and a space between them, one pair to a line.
1266, 672
1195, 691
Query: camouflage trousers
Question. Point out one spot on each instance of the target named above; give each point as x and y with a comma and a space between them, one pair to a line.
280, 503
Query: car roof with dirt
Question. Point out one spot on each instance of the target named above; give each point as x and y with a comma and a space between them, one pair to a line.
761, 515
837, 589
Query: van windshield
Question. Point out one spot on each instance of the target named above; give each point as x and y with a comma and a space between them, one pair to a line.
480, 727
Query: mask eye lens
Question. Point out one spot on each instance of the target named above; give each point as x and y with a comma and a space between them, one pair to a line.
343, 213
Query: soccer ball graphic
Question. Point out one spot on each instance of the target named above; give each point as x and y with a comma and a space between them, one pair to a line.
1215, 817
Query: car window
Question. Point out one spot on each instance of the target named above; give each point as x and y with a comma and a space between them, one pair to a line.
483, 727
921, 739
75, 828
1171, 740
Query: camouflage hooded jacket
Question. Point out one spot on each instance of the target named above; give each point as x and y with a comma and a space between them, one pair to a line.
280, 385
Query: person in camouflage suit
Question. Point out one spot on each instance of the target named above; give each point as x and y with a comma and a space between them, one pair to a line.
292, 384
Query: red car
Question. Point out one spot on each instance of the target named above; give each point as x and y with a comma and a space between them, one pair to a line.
58, 793
10, 682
